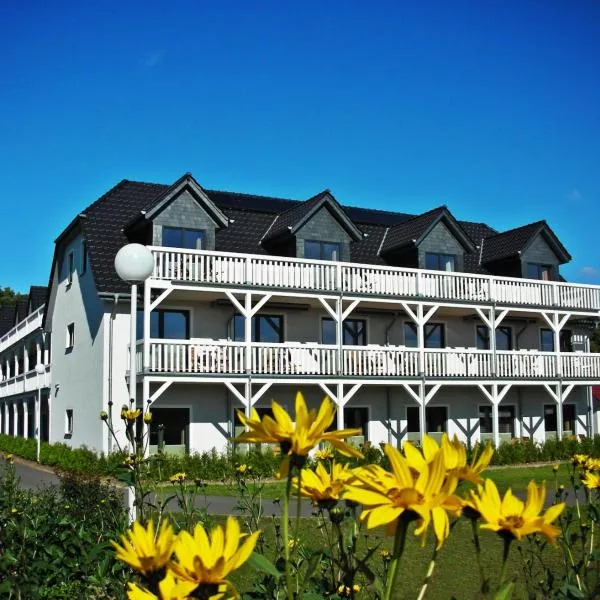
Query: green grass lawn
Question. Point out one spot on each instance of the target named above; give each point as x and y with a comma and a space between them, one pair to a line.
456, 573
516, 478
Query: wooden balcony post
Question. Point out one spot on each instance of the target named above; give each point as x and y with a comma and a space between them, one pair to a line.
422, 411
248, 332
146, 326
25, 419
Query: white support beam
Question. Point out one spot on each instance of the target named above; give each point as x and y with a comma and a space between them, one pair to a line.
432, 392
498, 319
159, 392
260, 304
555, 395
328, 392
487, 394
332, 311
567, 391
432, 310
264, 388
349, 309
162, 296
504, 391
236, 303
241, 397
487, 320
415, 395
410, 312
348, 396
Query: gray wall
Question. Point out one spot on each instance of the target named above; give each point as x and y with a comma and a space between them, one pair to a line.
440, 240
184, 211
539, 252
323, 227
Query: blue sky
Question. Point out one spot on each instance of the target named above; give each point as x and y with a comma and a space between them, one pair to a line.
492, 108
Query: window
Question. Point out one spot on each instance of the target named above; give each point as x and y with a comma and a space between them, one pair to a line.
506, 419
165, 324
69, 422
321, 250
440, 262
434, 335
265, 328
412, 419
537, 271
70, 336
547, 340
357, 417
180, 237
83, 257
503, 338
354, 332
169, 426
435, 419
551, 421
70, 267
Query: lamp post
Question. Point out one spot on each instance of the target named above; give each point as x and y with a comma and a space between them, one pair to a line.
40, 369
134, 263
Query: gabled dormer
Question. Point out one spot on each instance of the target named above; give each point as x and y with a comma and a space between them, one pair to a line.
532, 251
434, 240
318, 229
183, 216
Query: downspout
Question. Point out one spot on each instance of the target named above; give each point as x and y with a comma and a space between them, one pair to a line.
110, 366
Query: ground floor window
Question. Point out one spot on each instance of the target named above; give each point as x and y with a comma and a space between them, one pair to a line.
436, 418
506, 419
551, 419
170, 426
238, 427
357, 417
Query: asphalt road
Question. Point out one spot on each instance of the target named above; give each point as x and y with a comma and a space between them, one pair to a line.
33, 476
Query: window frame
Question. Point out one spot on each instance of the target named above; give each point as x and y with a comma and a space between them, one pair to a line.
438, 256
366, 428
182, 231
69, 419
563, 339
70, 261
255, 328
540, 267
344, 331
322, 244
553, 405
161, 324
70, 339
507, 329
426, 336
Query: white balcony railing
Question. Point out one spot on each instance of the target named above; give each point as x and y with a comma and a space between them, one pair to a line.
22, 329
203, 266
289, 359
24, 383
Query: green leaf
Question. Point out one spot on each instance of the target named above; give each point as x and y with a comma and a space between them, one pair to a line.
506, 592
259, 563
311, 596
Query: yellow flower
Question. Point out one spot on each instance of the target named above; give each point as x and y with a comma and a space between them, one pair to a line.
296, 440
321, 485
591, 480
148, 417
9, 457
129, 461
325, 453
143, 551
103, 415
170, 589
513, 518
131, 415
207, 562
579, 459
415, 489
592, 464
455, 458
177, 478
242, 469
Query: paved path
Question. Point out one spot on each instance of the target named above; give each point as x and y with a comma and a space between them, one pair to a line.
34, 477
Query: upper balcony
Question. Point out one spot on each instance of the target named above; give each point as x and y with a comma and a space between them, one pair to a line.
21, 330
226, 269
227, 358
24, 383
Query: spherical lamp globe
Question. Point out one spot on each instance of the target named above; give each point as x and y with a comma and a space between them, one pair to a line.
134, 262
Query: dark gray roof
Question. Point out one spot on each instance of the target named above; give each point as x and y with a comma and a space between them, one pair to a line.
7, 318
251, 216
21, 309
510, 243
37, 296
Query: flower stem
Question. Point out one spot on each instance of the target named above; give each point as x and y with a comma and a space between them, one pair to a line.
399, 540
507, 542
428, 575
298, 506
286, 546
478, 554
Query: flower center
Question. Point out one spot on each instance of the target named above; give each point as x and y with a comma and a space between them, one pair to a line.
405, 497
512, 522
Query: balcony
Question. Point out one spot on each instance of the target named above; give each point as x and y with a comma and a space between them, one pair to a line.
271, 272
24, 383
22, 329
225, 358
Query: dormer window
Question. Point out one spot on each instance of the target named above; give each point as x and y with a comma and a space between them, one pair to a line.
440, 262
321, 250
181, 237
538, 271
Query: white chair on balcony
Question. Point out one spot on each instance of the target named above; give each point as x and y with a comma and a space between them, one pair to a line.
303, 361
